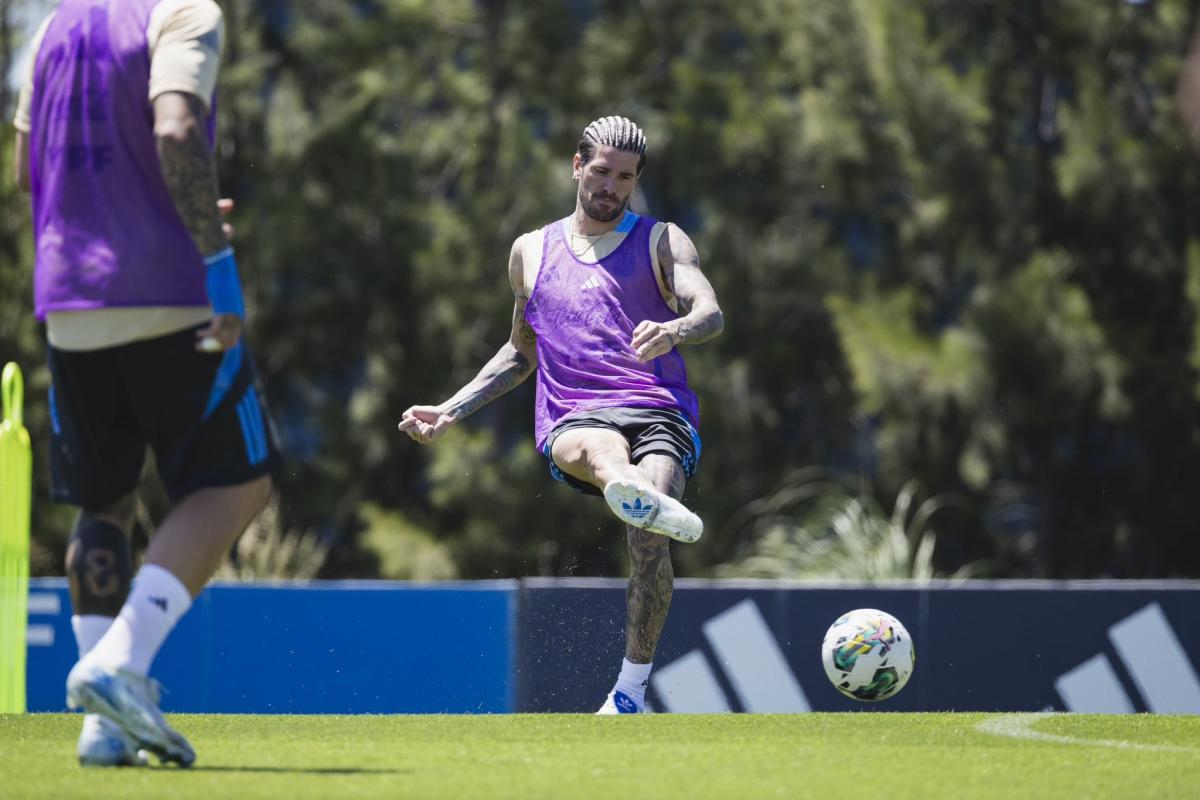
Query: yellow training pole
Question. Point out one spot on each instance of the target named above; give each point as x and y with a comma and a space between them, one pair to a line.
15, 494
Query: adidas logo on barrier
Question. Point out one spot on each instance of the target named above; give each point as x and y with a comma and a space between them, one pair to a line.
637, 510
752, 661
1146, 645
42, 604
1155, 661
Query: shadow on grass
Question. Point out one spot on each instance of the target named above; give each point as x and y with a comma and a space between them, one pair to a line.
295, 770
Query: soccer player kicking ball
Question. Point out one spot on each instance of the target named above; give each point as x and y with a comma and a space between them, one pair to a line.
597, 314
137, 284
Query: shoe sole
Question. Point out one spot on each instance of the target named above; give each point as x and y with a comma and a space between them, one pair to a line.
147, 735
666, 516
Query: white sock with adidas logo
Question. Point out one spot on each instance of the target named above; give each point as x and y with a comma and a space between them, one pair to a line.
156, 602
633, 681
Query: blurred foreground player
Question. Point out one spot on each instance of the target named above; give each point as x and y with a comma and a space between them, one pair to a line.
139, 290
599, 296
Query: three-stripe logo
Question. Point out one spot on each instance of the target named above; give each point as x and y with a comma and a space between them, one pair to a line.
752, 661
1156, 663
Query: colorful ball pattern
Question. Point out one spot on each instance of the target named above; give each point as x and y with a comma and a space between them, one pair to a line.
868, 655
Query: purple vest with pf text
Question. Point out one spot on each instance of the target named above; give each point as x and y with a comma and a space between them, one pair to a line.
584, 315
107, 232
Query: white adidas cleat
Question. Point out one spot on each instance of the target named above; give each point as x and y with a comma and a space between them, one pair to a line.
642, 506
103, 744
618, 702
131, 703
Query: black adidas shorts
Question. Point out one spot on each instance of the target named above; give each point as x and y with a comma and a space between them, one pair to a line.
664, 431
200, 412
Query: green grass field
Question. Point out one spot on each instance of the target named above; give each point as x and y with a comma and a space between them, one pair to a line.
659, 756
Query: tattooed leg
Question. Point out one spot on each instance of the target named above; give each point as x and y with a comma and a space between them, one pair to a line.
652, 576
99, 563
648, 597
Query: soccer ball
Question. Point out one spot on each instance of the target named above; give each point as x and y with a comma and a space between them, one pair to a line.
868, 654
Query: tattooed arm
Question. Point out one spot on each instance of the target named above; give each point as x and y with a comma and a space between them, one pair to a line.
189, 168
703, 319
512, 364
190, 172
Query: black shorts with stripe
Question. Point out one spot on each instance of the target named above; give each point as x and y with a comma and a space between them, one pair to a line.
201, 413
661, 431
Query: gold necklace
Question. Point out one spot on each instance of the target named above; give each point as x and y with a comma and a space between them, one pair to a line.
590, 242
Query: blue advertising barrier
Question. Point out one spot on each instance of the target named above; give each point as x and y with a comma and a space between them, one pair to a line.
556, 645
981, 646
328, 647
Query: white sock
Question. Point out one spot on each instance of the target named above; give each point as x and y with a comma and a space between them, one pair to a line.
633, 680
156, 602
88, 630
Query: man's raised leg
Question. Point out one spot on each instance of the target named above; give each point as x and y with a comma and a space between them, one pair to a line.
601, 456
183, 554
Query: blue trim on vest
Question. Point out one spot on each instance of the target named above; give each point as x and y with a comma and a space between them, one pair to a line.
628, 222
231, 364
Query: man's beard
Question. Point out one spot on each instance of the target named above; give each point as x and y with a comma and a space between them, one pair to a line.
598, 214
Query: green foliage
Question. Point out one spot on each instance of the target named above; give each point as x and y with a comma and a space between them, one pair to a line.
266, 552
405, 551
814, 527
954, 243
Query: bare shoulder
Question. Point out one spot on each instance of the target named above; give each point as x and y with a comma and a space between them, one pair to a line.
527, 251
528, 238
675, 247
516, 266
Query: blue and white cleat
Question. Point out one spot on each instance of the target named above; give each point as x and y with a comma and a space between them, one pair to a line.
641, 505
103, 744
131, 702
618, 702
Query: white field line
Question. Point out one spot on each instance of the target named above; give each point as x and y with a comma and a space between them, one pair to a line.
1020, 726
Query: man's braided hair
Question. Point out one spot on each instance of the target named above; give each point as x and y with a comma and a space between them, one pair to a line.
617, 132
